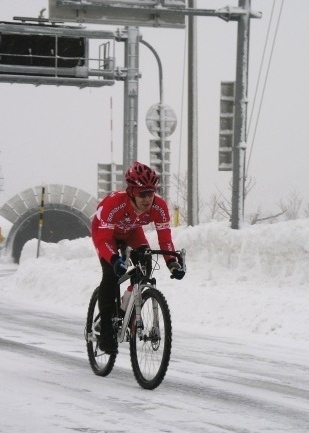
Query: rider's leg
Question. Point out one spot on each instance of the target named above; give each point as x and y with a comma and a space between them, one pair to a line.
138, 241
106, 298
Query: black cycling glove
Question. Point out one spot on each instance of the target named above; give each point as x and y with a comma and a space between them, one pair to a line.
176, 270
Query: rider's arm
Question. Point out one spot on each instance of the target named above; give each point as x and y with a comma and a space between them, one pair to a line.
103, 229
162, 223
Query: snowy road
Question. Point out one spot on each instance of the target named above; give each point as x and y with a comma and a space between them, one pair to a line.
213, 384
7, 269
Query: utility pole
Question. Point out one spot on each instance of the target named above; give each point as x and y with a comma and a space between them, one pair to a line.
131, 97
192, 120
240, 119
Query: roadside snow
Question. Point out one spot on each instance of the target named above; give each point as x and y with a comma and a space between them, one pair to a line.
253, 281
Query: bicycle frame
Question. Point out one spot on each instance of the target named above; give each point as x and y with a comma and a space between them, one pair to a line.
136, 295
134, 301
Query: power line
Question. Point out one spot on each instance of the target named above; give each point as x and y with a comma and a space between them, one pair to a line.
265, 81
181, 116
261, 66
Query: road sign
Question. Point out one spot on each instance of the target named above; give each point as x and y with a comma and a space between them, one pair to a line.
147, 13
161, 118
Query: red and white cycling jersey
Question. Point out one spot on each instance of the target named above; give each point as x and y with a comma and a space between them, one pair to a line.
116, 220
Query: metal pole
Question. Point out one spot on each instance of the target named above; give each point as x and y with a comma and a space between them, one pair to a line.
192, 121
160, 68
240, 125
164, 181
40, 221
1, 180
131, 97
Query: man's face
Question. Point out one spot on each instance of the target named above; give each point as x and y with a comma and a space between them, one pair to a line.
144, 199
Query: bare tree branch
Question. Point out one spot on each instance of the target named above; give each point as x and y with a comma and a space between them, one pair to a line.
219, 207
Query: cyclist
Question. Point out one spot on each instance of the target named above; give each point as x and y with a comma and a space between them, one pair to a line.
119, 220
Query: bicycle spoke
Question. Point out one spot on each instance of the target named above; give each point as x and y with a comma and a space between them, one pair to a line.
150, 353
101, 363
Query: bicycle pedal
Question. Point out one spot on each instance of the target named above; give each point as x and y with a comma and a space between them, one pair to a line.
127, 336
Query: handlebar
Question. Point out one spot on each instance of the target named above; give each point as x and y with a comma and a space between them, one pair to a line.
180, 255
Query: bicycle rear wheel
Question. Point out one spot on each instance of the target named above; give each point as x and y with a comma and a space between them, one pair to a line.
150, 355
101, 363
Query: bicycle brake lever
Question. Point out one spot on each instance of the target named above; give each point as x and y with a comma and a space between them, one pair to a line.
130, 272
183, 258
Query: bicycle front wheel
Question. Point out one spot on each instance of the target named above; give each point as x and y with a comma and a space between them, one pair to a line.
150, 353
101, 363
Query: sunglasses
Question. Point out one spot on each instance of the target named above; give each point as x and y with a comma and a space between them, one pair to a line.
143, 194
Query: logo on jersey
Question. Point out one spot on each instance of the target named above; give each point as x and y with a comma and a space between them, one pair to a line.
115, 210
161, 212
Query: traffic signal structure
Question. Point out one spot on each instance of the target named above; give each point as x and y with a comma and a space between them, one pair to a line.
160, 161
43, 55
226, 135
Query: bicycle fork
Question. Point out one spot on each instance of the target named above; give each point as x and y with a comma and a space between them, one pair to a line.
137, 294
136, 319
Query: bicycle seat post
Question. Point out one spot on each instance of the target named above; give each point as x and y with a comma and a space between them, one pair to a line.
128, 255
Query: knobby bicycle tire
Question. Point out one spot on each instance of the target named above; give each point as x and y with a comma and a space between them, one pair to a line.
150, 356
101, 363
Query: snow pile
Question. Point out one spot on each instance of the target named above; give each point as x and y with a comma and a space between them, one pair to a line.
249, 281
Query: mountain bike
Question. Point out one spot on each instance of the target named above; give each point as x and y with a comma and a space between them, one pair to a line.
145, 324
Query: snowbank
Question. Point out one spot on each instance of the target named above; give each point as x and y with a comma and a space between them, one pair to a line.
253, 281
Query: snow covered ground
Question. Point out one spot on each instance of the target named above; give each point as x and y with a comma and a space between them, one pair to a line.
253, 281
240, 348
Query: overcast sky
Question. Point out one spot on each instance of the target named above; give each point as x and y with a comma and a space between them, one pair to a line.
59, 134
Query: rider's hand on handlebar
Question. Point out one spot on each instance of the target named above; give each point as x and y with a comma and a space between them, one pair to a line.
119, 267
176, 270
